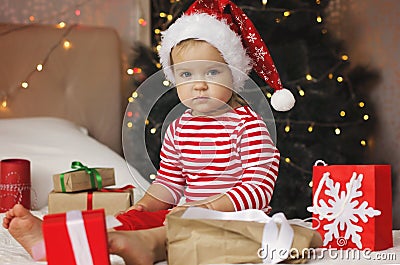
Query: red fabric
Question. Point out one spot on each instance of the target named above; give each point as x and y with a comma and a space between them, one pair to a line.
122, 189
373, 192
58, 245
139, 220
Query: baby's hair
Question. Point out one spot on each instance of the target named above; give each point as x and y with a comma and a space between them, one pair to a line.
182, 46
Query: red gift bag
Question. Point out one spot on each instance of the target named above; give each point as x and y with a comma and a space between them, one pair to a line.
76, 238
352, 206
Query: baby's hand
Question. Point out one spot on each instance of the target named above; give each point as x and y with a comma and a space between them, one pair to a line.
178, 209
187, 205
174, 210
138, 207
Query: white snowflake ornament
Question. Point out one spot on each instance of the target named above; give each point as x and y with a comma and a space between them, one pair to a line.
343, 209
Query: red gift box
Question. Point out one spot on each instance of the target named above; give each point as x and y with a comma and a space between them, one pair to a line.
76, 238
352, 206
15, 183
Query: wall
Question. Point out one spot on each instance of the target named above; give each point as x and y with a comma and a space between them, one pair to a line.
123, 15
371, 29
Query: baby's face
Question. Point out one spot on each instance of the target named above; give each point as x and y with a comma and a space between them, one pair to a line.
203, 79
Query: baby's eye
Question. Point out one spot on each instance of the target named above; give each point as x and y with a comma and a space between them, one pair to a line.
213, 72
186, 74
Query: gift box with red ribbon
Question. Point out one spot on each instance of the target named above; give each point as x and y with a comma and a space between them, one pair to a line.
112, 200
83, 178
352, 206
76, 238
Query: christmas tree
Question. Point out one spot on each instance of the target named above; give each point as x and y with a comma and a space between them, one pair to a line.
331, 119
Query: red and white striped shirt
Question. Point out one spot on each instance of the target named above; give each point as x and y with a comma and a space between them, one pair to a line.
230, 154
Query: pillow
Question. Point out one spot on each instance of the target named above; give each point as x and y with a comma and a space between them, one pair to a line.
51, 144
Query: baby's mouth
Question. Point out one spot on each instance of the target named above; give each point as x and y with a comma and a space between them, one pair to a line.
200, 98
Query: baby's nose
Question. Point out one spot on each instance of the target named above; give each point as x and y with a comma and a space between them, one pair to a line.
200, 85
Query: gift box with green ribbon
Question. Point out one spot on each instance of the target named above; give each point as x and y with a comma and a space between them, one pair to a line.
83, 178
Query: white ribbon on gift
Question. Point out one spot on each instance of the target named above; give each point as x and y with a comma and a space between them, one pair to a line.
276, 242
77, 235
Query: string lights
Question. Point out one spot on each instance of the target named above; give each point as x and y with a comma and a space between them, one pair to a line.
73, 9
66, 44
39, 67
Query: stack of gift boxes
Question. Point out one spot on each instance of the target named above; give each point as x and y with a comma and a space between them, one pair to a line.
76, 220
83, 189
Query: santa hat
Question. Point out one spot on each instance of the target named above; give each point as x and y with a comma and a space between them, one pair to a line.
224, 25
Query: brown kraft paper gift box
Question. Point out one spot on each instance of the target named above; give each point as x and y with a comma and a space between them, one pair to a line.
112, 202
202, 241
80, 180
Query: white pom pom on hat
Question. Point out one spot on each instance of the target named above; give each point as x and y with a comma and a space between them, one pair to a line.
225, 26
282, 100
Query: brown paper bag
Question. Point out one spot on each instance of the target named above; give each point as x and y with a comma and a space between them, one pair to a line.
80, 180
203, 241
112, 202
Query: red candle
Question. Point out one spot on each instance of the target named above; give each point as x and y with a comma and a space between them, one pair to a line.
15, 183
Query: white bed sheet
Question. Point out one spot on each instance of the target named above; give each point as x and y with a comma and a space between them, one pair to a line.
11, 253
51, 144
388, 256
